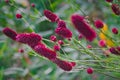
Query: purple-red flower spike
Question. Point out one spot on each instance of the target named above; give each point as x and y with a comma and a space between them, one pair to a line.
61, 24
51, 16
89, 70
65, 65
109, 0
115, 9
10, 33
63, 32
28, 38
83, 27
115, 30
56, 47
45, 52
98, 24
53, 38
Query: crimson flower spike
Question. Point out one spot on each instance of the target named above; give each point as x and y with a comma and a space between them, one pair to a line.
65, 65
10, 33
64, 32
51, 16
28, 38
45, 52
83, 27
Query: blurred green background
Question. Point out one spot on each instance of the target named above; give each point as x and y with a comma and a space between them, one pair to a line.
26, 66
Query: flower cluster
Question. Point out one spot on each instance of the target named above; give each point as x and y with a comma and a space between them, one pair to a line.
35, 42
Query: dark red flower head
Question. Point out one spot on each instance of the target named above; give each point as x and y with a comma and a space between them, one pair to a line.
56, 47
83, 27
10, 33
33, 5
65, 65
53, 38
115, 50
99, 24
28, 38
115, 30
45, 52
89, 70
18, 16
61, 24
51, 16
64, 32
109, 0
60, 42
115, 9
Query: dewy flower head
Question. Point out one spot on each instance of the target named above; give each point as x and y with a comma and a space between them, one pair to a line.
28, 38
64, 32
99, 24
45, 52
51, 16
83, 27
10, 33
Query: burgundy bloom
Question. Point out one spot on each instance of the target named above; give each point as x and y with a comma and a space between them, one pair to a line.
45, 52
115, 30
89, 70
61, 24
115, 50
65, 65
109, 0
53, 38
18, 16
83, 27
99, 24
10, 33
28, 38
60, 42
64, 32
51, 16
33, 5
115, 9
56, 47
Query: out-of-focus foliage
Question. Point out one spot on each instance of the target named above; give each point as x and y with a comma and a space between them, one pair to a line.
27, 66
